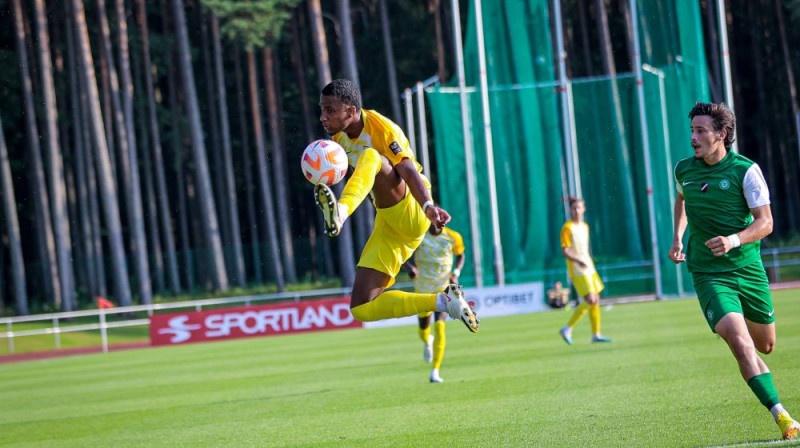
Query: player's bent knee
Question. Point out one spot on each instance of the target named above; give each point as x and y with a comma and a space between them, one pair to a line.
766, 347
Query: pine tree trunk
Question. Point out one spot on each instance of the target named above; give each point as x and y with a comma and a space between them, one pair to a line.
320, 45
239, 277
136, 216
363, 215
217, 175
46, 241
56, 169
83, 240
249, 190
218, 275
162, 193
265, 183
386, 32
12, 228
122, 290
156, 255
714, 64
91, 187
282, 198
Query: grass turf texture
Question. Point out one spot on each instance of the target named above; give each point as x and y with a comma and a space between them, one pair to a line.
665, 381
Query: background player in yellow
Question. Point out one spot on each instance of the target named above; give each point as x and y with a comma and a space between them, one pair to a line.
384, 164
580, 266
432, 271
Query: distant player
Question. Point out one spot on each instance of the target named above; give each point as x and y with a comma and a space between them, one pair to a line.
432, 270
724, 200
580, 266
383, 163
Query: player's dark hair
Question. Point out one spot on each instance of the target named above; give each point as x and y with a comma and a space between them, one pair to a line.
721, 118
345, 90
573, 199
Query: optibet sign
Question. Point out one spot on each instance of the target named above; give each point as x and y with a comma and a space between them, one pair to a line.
262, 320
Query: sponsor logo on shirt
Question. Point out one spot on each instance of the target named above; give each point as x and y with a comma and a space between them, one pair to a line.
704, 187
395, 147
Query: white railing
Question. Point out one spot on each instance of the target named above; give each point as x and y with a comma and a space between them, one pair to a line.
103, 325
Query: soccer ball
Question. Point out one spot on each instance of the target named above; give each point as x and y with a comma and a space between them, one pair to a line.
324, 162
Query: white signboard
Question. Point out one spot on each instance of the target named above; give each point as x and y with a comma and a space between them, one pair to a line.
488, 302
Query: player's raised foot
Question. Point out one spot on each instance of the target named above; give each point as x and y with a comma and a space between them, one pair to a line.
427, 350
600, 338
566, 334
435, 378
790, 429
459, 309
326, 201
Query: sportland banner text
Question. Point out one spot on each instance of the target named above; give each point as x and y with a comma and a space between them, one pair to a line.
248, 321
320, 315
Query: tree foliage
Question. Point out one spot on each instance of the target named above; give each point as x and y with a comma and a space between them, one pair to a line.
253, 24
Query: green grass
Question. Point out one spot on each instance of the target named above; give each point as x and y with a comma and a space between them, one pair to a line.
665, 381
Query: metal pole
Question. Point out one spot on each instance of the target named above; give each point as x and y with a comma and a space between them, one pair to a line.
472, 199
662, 94
487, 135
726, 59
564, 93
651, 208
410, 119
103, 330
423, 131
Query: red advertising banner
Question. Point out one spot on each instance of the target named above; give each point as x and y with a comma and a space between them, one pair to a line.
247, 321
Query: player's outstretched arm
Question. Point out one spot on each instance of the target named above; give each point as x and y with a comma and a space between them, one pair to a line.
411, 176
679, 227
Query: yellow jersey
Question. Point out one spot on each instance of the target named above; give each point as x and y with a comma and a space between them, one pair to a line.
576, 236
381, 134
434, 260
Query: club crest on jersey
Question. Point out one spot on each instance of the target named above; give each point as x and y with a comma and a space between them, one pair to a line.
395, 147
710, 314
724, 184
704, 187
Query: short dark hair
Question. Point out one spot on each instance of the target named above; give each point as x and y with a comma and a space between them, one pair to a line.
721, 118
345, 90
573, 200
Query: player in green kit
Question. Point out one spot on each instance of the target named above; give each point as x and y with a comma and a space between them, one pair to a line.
724, 201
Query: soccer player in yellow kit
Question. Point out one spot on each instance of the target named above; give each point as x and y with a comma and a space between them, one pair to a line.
575, 247
384, 164
432, 270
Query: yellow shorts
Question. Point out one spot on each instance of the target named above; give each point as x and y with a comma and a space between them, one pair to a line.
587, 284
398, 232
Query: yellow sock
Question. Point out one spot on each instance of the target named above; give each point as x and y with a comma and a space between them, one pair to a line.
580, 310
394, 303
438, 343
360, 183
594, 318
424, 334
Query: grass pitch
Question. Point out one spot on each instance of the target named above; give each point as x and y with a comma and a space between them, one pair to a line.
665, 381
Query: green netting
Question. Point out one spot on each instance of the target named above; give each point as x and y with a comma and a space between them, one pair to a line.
528, 147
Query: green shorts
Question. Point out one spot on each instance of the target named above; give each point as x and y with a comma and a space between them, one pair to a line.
744, 291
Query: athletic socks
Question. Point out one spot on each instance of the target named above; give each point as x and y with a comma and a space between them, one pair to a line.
580, 310
594, 318
764, 388
360, 183
394, 303
438, 343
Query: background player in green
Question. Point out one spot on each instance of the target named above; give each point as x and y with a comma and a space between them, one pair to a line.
724, 201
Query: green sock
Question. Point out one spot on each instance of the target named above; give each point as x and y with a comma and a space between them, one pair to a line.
764, 388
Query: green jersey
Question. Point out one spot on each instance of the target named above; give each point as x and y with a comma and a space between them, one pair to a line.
718, 199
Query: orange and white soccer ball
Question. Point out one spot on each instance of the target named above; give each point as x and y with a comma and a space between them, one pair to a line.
324, 162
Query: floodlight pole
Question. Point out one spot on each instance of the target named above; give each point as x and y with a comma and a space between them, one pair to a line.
487, 135
727, 76
567, 118
410, 119
662, 94
423, 131
651, 208
469, 163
